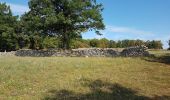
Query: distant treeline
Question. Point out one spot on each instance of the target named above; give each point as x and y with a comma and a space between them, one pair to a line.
53, 42
169, 44
105, 43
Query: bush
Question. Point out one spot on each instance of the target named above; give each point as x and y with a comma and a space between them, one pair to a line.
103, 43
94, 42
51, 42
169, 44
79, 44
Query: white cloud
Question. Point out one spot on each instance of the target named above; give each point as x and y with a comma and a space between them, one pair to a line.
18, 9
123, 32
117, 29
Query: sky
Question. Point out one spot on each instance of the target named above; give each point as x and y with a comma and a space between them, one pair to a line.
125, 19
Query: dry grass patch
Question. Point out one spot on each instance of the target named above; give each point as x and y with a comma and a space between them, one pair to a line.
67, 78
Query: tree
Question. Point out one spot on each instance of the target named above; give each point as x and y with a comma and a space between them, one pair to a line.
119, 44
169, 44
103, 43
131, 43
158, 45
79, 43
154, 44
139, 42
65, 19
94, 43
112, 44
8, 36
125, 43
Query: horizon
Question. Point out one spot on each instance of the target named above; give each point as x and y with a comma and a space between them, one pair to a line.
144, 20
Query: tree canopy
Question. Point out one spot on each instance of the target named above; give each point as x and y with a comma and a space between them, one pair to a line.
65, 19
169, 44
8, 36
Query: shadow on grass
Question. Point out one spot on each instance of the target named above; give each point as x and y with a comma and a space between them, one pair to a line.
161, 59
101, 91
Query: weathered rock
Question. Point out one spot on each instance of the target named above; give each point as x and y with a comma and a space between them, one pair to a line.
35, 53
95, 52
135, 51
83, 52
12, 53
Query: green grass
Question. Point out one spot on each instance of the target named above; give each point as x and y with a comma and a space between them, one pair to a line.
159, 52
67, 78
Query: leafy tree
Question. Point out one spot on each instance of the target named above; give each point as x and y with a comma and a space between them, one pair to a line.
51, 42
158, 45
103, 43
131, 43
119, 44
112, 44
154, 44
125, 43
139, 42
36, 42
94, 42
169, 44
148, 44
8, 22
65, 19
80, 43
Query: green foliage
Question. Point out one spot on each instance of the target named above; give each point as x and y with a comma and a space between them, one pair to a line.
36, 42
112, 44
139, 42
51, 42
58, 24
8, 37
103, 43
66, 19
119, 44
169, 44
94, 42
154, 44
80, 43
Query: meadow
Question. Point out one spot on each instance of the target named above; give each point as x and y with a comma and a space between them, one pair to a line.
93, 78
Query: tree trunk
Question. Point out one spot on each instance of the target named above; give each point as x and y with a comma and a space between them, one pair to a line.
65, 41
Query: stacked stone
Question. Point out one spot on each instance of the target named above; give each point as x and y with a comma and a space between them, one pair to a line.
95, 52
34, 53
86, 52
135, 51
7, 53
62, 53
43, 53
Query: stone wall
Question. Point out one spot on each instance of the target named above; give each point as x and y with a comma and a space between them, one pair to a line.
95, 52
91, 52
85, 52
35, 53
12, 53
135, 51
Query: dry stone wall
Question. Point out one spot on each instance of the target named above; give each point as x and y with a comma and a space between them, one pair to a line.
12, 53
95, 52
90, 52
135, 51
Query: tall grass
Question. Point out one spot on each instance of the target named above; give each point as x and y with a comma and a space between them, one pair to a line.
67, 78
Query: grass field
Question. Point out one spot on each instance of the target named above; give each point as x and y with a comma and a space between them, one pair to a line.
66, 78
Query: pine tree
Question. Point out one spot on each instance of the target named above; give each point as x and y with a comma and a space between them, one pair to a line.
169, 44
65, 19
8, 37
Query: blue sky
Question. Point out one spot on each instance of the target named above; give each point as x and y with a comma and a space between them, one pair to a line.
125, 19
